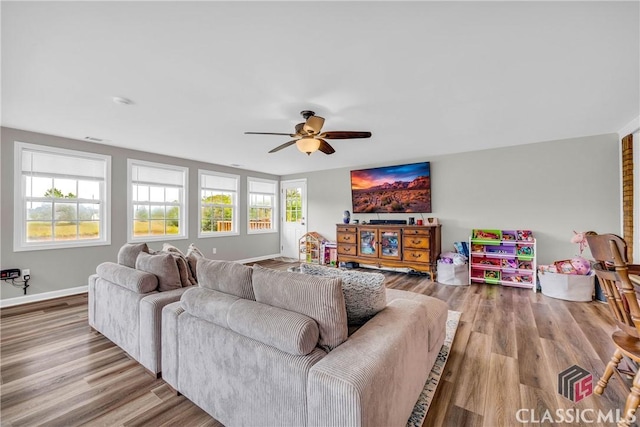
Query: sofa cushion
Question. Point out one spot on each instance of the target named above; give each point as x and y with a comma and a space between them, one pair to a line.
212, 306
136, 281
163, 266
319, 298
364, 293
226, 276
291, 332
128, 253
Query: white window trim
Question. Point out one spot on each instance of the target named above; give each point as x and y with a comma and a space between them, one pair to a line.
184, 234
19, 232
276, 201
236, 207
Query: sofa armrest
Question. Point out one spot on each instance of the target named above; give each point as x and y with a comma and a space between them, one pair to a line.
376, 376
169, 359
150, 326
129, 278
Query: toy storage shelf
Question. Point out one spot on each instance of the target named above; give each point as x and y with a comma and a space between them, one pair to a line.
503, 257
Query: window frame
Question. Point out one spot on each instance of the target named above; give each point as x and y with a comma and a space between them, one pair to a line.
184, 205
20, 199
235, 206
274, 207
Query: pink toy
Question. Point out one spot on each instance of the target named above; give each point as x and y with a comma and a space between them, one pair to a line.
581, 265
581, 239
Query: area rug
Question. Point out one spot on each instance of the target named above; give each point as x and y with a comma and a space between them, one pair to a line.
424, 401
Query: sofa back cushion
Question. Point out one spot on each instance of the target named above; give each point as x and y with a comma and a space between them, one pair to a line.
136, 281
212, 306
226, 276
285, 330
163, 266
128, 253
364, 293
291, 332
319, 298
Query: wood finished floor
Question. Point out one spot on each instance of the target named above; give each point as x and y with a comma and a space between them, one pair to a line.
509, 348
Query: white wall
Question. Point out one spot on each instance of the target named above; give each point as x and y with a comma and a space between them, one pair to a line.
61, 269
551, 188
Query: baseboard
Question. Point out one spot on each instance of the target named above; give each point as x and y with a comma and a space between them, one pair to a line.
9, 302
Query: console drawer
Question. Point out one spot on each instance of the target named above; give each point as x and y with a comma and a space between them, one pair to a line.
346, 238
347, 250
346, 229
415, 255
416, 241
416, 231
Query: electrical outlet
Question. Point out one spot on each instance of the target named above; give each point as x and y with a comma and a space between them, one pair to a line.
26, 272
215, 251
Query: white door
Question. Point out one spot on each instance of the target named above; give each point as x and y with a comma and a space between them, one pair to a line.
294, 216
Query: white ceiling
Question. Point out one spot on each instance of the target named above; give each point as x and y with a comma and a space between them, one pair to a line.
426, 78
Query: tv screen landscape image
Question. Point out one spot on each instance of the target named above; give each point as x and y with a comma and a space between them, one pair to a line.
392, 189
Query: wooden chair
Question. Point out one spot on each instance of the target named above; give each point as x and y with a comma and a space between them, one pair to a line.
612, 270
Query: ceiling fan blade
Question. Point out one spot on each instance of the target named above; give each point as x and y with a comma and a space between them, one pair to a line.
267, 133
285, 145
325, 147
300, 129
314, 124
338, 134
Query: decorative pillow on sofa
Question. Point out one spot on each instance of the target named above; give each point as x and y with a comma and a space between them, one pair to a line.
163, 266
128, 253
226, 276
364, 293
186, 276
193, 255
319, 298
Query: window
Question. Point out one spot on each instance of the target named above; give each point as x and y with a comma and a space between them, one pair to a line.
157, 201
61, 198
262, 205
218, 204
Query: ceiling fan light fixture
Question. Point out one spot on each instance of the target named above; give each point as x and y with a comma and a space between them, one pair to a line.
308, 145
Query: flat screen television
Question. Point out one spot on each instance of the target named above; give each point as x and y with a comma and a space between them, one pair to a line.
392, 189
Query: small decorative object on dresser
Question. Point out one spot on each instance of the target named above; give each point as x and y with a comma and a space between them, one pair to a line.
346, 217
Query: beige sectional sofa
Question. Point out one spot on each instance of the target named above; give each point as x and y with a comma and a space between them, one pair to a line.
126, 298
253, 346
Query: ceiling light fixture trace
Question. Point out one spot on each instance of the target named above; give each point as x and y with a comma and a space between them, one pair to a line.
121, 100
308, 145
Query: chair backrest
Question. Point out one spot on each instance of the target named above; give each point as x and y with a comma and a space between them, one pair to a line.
610, 253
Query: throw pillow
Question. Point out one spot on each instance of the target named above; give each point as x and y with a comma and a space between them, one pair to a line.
163, 266
128, 253
226, 276
193, 255
364, 293
319, 298
168, 247
187, 277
